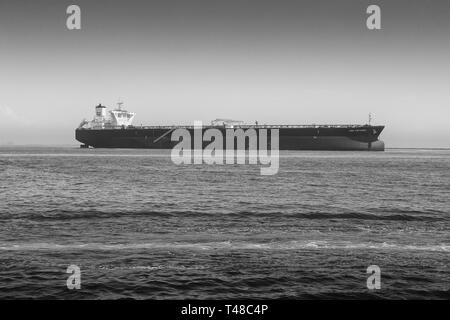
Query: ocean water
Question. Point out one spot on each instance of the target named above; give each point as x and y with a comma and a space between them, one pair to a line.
139, 226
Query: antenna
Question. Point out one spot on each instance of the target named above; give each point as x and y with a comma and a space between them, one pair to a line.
119, 104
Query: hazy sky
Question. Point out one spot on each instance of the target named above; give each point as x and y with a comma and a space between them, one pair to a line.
278, 62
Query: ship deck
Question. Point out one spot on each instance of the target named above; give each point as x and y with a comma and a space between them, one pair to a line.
240, 126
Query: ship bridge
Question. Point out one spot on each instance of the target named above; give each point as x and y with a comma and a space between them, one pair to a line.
117, 118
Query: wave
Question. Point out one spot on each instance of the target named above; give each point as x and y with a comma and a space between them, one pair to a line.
227, 245
392, 215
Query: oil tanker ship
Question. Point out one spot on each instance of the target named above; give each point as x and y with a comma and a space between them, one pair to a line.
114, 129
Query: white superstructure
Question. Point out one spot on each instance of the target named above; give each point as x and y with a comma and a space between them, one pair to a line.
227, 123
112, 119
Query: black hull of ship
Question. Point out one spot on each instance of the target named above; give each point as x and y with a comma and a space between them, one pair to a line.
363, 138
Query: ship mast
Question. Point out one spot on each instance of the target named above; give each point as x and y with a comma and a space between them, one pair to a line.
119, 104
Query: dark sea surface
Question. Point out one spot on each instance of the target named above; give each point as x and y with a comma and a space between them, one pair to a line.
139, 226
